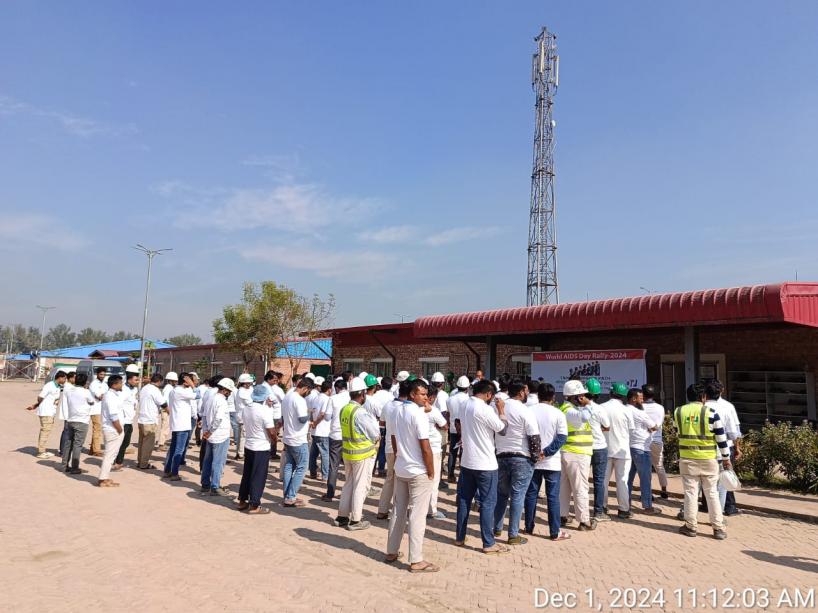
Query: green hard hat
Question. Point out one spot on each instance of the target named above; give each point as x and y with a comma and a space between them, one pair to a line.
593, 386
370, 380
412, 378
619, 389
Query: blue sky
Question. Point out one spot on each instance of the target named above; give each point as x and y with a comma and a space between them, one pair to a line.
382, 152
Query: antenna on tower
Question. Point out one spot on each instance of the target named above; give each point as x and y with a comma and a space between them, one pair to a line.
542, 285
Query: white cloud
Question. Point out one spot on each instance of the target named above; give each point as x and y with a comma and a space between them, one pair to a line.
19, 231
345, 265
280, 168
392, 235
83, 127
456, 235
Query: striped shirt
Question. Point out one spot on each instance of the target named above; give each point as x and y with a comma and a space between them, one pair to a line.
717, 428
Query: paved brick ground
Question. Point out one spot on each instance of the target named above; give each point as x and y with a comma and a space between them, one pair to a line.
151, 545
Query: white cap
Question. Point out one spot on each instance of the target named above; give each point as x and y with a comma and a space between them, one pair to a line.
319, 380
496, 386
245, 377
363, 375
227, 384
194, 374
379, 380
424, 380
573, 388
402, 376
309, 375
132, 368
358, 385
463, 382
171, 376
438, 377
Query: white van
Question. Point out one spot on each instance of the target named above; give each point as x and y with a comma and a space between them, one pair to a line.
89, 367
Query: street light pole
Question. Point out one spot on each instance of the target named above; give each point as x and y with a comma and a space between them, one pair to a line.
44, 309
150, 253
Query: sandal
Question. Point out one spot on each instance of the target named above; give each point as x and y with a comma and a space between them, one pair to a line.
427, 567
241, 506
497, 549
393, 557
258, 511
563, 536
295, 503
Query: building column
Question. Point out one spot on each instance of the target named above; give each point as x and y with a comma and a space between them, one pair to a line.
691, 355
491, 358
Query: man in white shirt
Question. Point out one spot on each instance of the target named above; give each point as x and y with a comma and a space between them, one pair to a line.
437, 424
518, 446
376, 404
442, 403
656, 412
553, 434
62, 410
151, 404
319, 446
79, 404
260, 432
620, 417
732, 428
531, 398
111, 429
478, 464
271, 383
46, 406
243, 398
388, 489
599, 451
128, 396
414, 477
333, 415
182, 409
163, 430
641, 437
457, 401
98, 388
296, 420
576, 455
216, 434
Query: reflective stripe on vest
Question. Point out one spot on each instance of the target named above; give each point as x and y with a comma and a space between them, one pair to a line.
354, 446
696, 441
580, 440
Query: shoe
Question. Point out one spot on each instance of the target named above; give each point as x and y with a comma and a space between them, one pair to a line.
588, 527
664, 494
719, 535
563, 522
602, 517
517, 540
680, 515
624, 515
443, 486
166, 475
313, 476
326, 498
340, 522
687, 531
175, 478
373, 491
385, 516
358, 525
219, 491
498, 533
75, 471
204, 491
652, 511
43, 456
732, 512
451, 479
438, 515
382, 473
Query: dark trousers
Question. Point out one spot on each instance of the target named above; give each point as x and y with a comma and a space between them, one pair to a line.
334, 462
454, 439
380, 459
599, 464
730, 502
202, 451
66, 434
254, 476
552, 497
127, 430
76, 439
470, 484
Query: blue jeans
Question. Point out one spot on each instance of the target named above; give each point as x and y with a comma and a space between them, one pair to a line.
641, 464
513, 479
380, 459
599, 464
214, 460
552, 496
176, 451
319, 447
471, 483
295, 467
235, 428
454, 451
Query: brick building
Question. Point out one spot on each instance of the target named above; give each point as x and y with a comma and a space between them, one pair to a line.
762, 341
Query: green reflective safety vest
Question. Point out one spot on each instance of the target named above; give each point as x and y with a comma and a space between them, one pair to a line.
580, 440
696, 441
354, 446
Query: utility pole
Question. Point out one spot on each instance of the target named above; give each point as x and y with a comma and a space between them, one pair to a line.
541, 286
44, 309
151, 253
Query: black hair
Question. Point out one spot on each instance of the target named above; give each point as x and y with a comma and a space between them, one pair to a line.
326, 386
403, 388
114, 379
413, 385
719, 385
82, 379
633, 393
386, 382
214, 380
433, 390
340, 385
359, 393
130, 375
546, 392
99, 369
484, 386
515, 387
60, 374
649, 391
305, 382
72, 374
712, 391
695, 392
156, 378
269, 375
504, 380
347, 375
533, 386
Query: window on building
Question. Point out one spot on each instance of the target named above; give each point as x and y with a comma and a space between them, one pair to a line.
429, 366
381, 367
216, 367
159, 368
521, 365
355, 365
238, 368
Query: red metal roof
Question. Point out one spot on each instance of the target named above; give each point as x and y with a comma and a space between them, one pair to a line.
783, 302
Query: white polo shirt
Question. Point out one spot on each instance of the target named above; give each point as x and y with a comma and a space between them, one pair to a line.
656, 412
409, 426
321, 405
436, 420
182, 407
621, 420
217, 420
257, 418
80, 403
128, 404
111, 410
50, 395
478, 424
98, 389
151, 400
551, 422
293, 408
337, 402
521, 424
455, 405
599, 419
641, 435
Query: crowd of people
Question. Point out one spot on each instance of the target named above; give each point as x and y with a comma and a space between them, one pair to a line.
498, 441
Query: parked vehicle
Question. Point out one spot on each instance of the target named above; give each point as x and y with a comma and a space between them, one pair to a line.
65, 369
89, 367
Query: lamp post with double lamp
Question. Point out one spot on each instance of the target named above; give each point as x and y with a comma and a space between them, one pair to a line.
45, 310
151, 253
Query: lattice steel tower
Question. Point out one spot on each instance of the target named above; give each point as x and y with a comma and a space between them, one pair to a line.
542, 232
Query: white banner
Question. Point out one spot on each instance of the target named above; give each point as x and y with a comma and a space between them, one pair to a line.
609, 366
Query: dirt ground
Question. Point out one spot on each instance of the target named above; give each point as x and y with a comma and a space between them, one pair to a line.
150, 545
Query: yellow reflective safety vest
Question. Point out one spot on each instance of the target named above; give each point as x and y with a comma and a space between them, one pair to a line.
580, 440
696, 441
354, 446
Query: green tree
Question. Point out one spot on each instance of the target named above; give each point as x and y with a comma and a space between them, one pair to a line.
58, 337
184, 340
121, 335
89, 336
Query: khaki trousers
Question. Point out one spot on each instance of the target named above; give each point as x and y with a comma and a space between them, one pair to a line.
657, 458
576, 469
113, 441
356, 487
147, 437
706, 473
163, 431
619, 468
96, 434
385, 502
411, 502
438, 461
46, 423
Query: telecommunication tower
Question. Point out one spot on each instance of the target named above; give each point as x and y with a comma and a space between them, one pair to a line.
542, 232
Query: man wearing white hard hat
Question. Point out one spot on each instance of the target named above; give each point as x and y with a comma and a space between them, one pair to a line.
576, 454
442, 404
457, 401
163, 434
216, 434
377, 403
244, 398
400, 378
